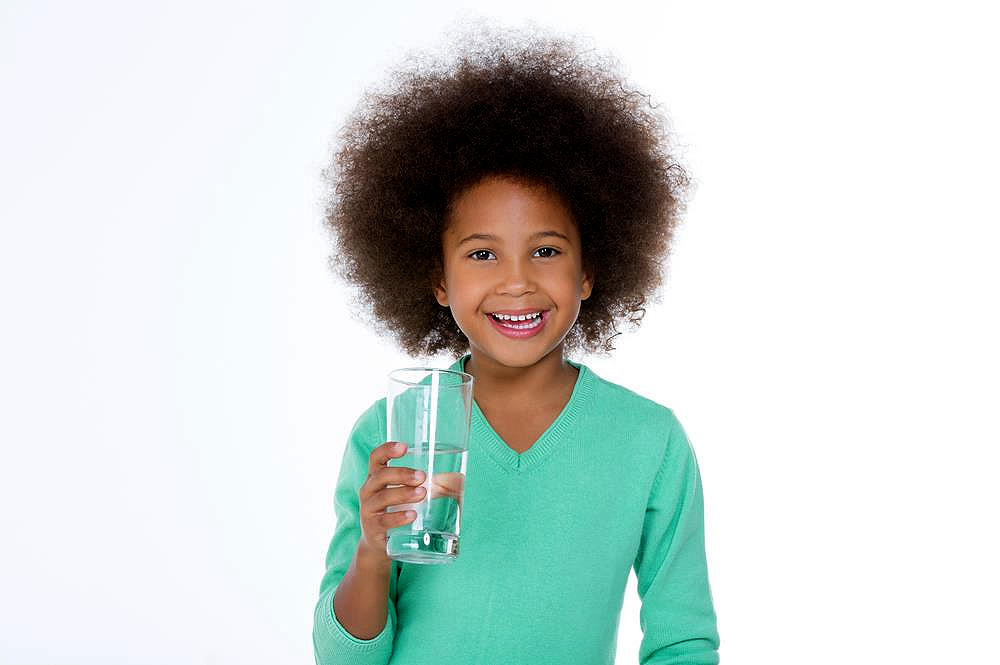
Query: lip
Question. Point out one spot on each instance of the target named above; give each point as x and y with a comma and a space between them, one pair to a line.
519, 334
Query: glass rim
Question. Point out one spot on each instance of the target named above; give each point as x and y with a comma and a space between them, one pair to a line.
465, 378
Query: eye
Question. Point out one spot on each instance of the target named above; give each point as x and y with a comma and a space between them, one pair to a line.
484, 254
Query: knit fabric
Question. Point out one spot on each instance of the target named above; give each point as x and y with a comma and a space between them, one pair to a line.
548, 538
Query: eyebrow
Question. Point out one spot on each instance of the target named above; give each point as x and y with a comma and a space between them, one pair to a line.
488, 236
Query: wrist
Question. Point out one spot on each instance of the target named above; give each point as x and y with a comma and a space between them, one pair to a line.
367, 558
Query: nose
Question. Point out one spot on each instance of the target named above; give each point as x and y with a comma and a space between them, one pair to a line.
516, 279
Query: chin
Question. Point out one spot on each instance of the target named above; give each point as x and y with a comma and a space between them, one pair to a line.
509, 352
513, 357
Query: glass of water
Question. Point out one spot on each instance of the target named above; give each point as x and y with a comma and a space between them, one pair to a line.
429, 410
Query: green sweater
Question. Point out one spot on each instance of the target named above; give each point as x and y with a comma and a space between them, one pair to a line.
548, 538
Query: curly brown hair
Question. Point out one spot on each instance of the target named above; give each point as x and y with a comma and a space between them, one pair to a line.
539, 109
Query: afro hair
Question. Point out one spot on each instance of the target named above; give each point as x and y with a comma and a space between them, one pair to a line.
540, 109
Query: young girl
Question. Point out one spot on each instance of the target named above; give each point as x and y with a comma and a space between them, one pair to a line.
510, 207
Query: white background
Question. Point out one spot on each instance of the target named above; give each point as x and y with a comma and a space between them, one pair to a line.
180, 371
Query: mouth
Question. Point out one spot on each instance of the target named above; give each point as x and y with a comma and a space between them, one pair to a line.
518, 324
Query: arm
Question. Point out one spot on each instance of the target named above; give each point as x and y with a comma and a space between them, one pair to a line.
677, 616
358, 603
361, 584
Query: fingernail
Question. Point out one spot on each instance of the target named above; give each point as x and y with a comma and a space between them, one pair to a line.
419, 476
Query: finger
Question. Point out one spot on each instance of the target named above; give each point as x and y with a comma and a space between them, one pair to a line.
439, 490
377, 461
450, 480
396, 496
390, 520
390, 476
382, 454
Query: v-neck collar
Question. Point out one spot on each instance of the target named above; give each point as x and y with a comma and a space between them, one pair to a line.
551, 438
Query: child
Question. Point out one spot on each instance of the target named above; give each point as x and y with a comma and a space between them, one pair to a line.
526, 181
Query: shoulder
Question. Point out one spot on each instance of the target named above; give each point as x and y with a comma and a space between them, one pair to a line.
652, 433
621, 403
644, 421
368, 430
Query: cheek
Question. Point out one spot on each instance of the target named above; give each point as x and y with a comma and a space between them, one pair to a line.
463, 300
571, 283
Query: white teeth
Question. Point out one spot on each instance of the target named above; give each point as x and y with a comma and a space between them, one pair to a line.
524, 326
519, 317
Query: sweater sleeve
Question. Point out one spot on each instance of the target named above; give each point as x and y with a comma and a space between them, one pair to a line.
332, 643
677, 615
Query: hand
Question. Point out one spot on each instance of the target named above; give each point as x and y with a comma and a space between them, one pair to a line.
375, 496
448, 484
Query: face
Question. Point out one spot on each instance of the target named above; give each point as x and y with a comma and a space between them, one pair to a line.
511, 248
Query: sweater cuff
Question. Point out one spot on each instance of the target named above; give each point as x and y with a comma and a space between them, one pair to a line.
380, 641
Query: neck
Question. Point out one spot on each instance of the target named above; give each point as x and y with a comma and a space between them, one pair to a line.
537, 383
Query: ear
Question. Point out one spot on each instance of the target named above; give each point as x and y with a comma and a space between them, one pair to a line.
440, 293
587, 285
437, 283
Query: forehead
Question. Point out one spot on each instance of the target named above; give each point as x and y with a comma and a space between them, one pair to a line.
509, 210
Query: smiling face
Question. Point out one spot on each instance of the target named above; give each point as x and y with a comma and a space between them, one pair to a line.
512, 249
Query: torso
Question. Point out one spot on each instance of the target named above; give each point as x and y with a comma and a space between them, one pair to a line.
521, 425
520, 428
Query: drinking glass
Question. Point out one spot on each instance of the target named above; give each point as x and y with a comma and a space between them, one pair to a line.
429, 410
